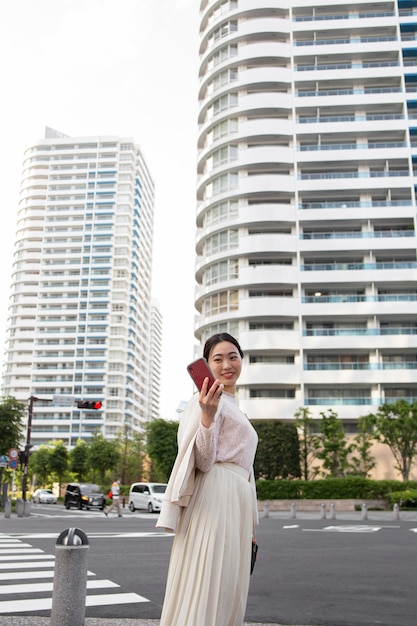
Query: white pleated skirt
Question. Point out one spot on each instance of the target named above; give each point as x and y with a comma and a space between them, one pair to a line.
209, 570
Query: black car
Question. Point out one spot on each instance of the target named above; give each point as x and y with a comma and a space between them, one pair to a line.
84, 495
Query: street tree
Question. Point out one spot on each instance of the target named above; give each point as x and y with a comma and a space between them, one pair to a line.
103, 456
396, 426
362, 461
306, 426
161, 446
78, 460
11, 423
39, 464
332, 447
133, 454
58, 460
278, 451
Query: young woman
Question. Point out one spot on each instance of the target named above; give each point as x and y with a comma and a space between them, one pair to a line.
210, 502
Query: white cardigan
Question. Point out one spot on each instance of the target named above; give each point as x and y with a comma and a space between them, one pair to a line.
181, 481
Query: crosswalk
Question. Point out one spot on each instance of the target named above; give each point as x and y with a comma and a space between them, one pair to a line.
20, 562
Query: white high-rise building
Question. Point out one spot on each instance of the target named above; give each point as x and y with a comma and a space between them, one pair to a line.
79, 325
306, 217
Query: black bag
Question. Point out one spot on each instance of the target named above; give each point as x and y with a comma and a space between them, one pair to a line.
254, 552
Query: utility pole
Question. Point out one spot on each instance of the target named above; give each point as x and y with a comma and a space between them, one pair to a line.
27, 447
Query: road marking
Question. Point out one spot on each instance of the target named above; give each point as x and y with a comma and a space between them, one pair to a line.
97, 535
346, 529
44, 604
38, 587
292, 526
20, 557
28, 565
20, 549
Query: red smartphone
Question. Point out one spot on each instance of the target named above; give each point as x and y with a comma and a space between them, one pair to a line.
199, 370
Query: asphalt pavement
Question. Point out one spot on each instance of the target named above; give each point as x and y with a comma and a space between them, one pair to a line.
27, 620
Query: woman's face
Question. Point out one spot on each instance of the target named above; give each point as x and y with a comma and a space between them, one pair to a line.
226, 364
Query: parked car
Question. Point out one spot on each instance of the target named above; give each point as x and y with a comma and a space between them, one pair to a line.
44, 496
84, 495
146, 496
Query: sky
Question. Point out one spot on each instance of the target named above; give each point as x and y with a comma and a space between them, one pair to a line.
112, 67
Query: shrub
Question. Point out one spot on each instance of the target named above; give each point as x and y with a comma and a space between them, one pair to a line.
328, 488
406, 498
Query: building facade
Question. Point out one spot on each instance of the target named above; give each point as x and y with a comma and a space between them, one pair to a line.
79, 325
306, 215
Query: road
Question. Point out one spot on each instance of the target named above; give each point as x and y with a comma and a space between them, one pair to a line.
339, 572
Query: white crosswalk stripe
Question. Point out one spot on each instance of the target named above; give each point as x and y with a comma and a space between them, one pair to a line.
33, 564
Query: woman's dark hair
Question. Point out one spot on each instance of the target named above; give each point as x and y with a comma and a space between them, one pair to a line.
215, 339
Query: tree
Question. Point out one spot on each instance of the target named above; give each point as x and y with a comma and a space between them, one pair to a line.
161, 446
103, 456
58, 460
308, 444
332, 447
78, 460
396, 426
278, 452
132, 458
39, 464
11, 423
363, 462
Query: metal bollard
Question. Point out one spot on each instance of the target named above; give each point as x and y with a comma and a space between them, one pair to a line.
70, 579
332, 511
323, 511
26, 508
396, 511
20, 505
364, 511
7, 508
266, 509
293, 513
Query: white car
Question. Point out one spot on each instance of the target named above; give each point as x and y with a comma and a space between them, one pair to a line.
44, 496
146, 496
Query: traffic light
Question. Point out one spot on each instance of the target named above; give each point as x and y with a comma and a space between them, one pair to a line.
25, 454
89, 404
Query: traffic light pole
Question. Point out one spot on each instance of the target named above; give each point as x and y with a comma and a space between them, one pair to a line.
27, 447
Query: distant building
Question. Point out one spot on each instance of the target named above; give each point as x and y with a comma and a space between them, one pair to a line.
306, 218
81, 325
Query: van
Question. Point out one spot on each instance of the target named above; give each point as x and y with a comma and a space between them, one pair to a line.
146, 496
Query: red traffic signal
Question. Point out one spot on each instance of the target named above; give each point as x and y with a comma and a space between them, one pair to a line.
89, 404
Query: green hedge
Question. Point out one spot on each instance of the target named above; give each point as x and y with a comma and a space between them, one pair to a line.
337, 488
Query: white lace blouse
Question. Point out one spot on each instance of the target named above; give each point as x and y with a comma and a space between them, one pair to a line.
230, 439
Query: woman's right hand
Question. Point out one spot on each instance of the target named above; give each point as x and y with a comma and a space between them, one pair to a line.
209, 401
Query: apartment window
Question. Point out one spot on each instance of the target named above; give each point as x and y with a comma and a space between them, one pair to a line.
225, 270
224, 240
224, 155
223, 211
224, 128
221, 302
225, 102
223, 78
226, 52
272, 393
223, 31
222, 184
273, 358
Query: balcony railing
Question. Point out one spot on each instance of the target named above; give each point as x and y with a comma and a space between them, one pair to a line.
354, 204
330, 267
358, 234
358, 332
407, 297
337, 366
